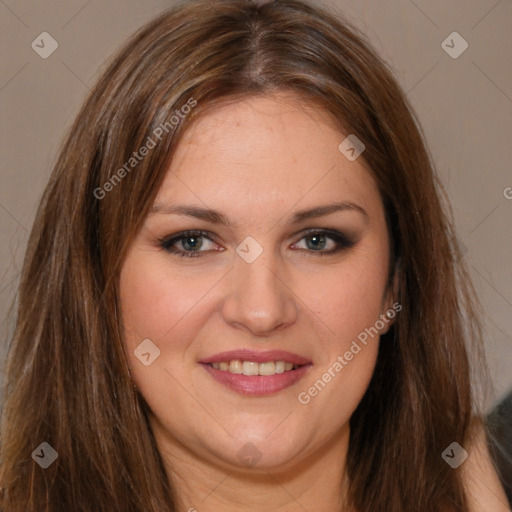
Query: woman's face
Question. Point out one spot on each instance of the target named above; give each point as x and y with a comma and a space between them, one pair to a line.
257, 288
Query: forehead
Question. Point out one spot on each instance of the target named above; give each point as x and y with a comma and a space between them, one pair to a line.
263, 153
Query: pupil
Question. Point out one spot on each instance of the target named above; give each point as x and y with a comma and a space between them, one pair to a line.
317, 239
195, 244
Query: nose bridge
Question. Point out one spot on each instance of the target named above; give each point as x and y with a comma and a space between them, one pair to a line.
258, 298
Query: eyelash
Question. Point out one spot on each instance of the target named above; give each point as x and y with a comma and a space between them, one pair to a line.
342, 241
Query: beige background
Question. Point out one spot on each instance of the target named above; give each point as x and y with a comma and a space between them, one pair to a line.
464, 104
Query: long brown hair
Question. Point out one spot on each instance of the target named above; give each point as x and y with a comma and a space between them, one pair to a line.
67, 381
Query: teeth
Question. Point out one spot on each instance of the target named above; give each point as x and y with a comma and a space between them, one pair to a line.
253, 368
267, 368
235, 366
250, 368
280, 366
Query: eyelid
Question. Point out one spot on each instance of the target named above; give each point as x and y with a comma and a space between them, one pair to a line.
341, 239
169, 241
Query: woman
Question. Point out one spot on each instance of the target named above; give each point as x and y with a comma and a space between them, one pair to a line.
241, 290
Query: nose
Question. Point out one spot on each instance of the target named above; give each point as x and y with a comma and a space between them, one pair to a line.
259, 299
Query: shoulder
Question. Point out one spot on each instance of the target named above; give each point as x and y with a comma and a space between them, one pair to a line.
481, 481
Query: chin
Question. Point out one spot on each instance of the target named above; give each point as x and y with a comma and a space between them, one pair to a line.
264, 452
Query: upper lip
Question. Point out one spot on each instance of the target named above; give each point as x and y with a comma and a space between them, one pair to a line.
257, 357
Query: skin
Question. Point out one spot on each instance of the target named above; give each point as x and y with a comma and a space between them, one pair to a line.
257, 161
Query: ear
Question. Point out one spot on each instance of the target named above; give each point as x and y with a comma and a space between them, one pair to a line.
390, 306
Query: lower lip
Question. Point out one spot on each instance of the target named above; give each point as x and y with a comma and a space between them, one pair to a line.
257, 385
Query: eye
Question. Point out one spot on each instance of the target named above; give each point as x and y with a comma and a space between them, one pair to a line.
191, 243
317, 241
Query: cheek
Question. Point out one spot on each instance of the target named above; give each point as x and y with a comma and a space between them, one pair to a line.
348, 301
156, 305
155, 301
349, 297
349, 305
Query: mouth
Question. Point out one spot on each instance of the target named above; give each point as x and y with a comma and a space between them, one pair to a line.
267, 368
256, 373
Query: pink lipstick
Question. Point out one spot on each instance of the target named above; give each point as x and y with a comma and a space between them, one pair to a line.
256, 373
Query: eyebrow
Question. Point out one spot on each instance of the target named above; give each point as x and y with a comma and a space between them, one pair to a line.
216, 217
